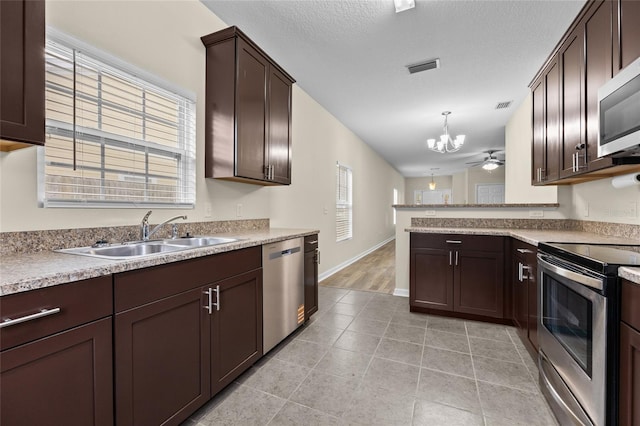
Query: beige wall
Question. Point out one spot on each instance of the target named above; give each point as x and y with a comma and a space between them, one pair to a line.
518, 136
601, 202
163, 38
422, 183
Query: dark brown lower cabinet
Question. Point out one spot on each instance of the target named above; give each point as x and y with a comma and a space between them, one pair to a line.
311, 258
183, 331
56, 355
162, 360
236, 327
457, 273
630, 355
65, 379
524, 293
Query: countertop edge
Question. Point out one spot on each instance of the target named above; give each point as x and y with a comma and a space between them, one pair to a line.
60, 268
630, 274
477, 206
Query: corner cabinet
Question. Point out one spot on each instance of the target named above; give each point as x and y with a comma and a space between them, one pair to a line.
56, 355
183, 331
248, 112
22, 38
462, 274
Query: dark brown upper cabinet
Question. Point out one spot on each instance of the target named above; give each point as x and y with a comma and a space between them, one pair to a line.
248, 112
626, 24
21, 74
601, 39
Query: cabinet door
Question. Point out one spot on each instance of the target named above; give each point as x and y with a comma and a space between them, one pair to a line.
310, 283
520, 293
251, 112
65, 379
431, 279
279, 147
571, 100
628, 46
22, 72
236, 328
532, 300
552, 117
538, 150
479, 283
162, 360
629, 376
598, 67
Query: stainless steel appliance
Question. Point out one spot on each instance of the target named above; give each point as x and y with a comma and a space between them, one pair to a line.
578, 332
283, 290
619, 114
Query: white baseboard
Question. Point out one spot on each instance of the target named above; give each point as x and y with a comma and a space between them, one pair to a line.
326, 274
403, 292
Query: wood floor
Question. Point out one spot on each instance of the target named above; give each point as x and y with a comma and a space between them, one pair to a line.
374, 272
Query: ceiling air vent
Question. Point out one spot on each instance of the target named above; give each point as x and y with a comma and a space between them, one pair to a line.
424, 66
503, 105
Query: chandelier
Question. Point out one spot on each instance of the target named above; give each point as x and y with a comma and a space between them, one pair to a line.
446, 144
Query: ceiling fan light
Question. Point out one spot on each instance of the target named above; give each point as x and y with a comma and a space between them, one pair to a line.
431, 143
490, 166
402, 5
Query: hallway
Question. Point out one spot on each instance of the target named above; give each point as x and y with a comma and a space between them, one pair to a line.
375, 272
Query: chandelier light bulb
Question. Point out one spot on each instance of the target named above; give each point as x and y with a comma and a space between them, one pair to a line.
431, 143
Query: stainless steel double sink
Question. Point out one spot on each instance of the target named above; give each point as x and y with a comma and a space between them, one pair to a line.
139, 249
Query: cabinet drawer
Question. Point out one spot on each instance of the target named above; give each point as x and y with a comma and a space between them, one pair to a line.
310, 243
631, 304
458, 242
78, 303
135, 288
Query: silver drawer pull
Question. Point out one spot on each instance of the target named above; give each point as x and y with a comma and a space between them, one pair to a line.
454, 242
524, 251
43, 313
312, 242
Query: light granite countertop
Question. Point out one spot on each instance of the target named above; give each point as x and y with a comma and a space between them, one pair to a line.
23, 272
533, 237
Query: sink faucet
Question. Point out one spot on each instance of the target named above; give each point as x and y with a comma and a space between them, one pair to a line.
145, 234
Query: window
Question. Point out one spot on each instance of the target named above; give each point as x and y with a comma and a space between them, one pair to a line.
113, 139
344, 206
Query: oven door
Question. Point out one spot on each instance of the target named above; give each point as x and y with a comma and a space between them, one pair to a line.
572, 335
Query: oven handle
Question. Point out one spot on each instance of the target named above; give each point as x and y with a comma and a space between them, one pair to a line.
582, 279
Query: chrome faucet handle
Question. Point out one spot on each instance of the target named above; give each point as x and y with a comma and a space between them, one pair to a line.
144, 227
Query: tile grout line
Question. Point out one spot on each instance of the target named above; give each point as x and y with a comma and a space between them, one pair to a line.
475, 376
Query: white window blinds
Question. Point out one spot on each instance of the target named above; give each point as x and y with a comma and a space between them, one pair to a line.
344, 206
113, 139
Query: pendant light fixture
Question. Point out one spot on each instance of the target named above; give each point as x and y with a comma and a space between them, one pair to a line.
446, 144
432, 184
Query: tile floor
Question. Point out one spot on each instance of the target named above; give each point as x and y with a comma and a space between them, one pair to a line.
364, 359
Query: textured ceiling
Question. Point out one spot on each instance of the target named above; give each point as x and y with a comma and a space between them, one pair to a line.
351, 57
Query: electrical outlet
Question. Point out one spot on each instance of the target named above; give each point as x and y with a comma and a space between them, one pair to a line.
238, 210
208, 210
325, 210
536, 213
430, 213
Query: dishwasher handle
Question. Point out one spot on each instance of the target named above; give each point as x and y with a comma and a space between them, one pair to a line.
283, 253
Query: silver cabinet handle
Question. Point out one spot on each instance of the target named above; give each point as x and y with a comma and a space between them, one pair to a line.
456, 257
312, 242
450, 258
43, 313
318, 255
209, 305
217, 292
524, 251
454, 242
520, 274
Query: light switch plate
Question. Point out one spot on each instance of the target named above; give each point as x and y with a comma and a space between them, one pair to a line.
536, 213
430, 213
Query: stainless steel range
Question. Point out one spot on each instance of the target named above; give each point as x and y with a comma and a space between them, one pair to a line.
579, 296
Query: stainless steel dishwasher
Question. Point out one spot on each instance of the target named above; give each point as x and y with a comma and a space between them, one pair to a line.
283, 290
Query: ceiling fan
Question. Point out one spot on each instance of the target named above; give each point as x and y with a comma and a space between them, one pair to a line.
489, 163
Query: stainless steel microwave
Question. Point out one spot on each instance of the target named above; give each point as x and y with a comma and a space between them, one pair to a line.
619, 114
